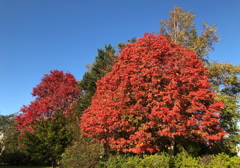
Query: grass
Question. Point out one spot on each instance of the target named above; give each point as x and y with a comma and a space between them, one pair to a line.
9, 166
3, 166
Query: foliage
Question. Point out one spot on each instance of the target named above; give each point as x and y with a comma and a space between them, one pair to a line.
56, 91
127, 161
14, 158
117, 161
223, 160
181, 29
8, 132
224, 78
10, 146
84, 153
157, 93
158, 160
183, 159
102, 65
162, 159
121, 46
84, 148
49, 139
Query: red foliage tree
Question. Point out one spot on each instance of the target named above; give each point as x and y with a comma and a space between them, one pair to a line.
156, 92
56, 91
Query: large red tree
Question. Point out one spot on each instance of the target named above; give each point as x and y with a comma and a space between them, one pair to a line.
157, 91
56, 91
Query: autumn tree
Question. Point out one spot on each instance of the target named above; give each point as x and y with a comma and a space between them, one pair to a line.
156, 96
224, 77
56, 91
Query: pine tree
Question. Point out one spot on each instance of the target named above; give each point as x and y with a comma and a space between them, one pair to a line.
102, 65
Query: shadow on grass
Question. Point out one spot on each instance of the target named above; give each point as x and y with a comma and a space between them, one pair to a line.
21, 166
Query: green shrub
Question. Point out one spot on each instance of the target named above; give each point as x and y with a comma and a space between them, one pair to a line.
157, 160
223, 161
84, 154
164, 160
114, 161
126, 161
133, 162
13, 158
183, 160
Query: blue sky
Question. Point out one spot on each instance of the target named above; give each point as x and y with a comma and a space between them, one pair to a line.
37, 36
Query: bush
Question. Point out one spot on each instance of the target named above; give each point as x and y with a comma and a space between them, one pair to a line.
158, 160
222, 161
132, 162
164, 160
15, 158
127, 161
84, 153
183, 160
115, 161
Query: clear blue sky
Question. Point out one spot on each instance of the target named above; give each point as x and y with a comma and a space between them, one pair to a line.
37, 36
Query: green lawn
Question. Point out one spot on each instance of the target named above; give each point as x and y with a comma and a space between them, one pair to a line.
7, 166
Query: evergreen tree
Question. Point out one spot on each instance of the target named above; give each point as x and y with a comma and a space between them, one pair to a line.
102, 65
49, 139
122, 45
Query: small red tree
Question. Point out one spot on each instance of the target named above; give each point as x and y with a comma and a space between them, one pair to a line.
156, 92
56, 91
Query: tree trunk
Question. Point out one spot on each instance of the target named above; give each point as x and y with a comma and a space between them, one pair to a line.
172, 146
53, 164
106, 150
141, 155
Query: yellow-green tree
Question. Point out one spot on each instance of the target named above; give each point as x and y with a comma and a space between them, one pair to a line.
181, 29
224, 78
